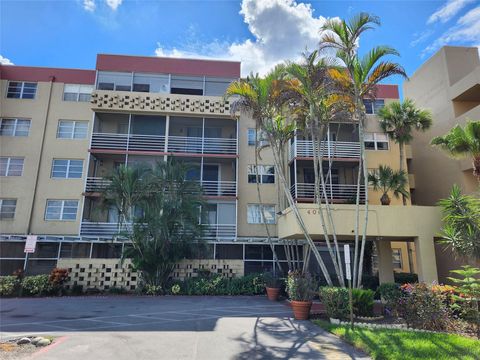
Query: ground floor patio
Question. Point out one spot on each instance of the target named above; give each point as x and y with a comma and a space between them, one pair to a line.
182, 327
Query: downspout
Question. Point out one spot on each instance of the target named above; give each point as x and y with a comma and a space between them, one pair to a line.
52, 80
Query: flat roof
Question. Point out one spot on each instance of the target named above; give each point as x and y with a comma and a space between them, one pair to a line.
32, 73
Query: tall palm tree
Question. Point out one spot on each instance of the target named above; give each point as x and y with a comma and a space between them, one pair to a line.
398, 120
360, 76
388, 180
260, 98
462, 142
313, 103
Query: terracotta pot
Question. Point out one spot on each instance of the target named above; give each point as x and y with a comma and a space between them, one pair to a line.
301, 309
272, 293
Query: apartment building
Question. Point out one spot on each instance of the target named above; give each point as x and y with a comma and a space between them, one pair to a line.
448, 84
64, 130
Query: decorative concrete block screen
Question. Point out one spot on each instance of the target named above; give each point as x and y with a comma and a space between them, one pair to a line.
103, 274
164, 103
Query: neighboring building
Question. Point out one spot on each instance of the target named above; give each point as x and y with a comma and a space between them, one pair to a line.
447, 84
64, 130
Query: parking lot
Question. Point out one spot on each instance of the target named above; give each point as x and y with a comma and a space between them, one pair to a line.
126, 327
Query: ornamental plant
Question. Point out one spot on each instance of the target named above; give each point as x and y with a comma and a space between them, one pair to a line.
37, 285
390, 294
335, 300
363, 302
300, 286
424, 308
272, 281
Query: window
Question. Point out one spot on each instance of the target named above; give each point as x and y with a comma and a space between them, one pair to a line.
376, 141
109, 80
259, 214
14, 127
21, 90
373, 106
265, 174
7, 208
397, 258
261, 138
10, 166
67, 169
70, 129
77, 92
153, 83
61, 210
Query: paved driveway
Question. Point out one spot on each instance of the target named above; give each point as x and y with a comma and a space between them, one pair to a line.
127, 327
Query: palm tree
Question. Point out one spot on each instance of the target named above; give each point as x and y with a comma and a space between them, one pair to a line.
359, 78
399, 120
260, 98
462, 142
388, 180
312, 102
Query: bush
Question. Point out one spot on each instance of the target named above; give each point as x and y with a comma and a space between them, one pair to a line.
9, 286
251, 284
390, 294
300, 286
272, 281
405, 278
57, 279
335, 300
175, 289
424, 308
362, 302
114, 290
37, 285
370, 282
76, 290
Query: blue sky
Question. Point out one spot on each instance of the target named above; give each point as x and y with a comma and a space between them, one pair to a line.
260, 33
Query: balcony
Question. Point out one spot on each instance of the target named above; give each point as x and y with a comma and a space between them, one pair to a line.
156, 143
108, 230
141, 102
332, 149
210, 188
340, 193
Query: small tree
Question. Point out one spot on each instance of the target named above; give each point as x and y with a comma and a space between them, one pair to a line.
399, 120
461, 218
469, 287
462, 142
387, 180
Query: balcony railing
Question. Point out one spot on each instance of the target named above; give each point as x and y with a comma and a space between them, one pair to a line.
333, 149
335, 192
176, 144
210, 188
108, 230
95, 184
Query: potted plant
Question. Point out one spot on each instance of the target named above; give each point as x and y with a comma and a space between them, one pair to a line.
386, 179
300, 291
273, 285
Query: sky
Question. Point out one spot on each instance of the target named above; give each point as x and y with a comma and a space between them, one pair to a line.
259, 33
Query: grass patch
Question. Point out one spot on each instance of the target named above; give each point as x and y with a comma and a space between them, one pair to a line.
399, 344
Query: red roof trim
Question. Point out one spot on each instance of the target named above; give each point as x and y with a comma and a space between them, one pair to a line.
387, 92
30, 73
175, 66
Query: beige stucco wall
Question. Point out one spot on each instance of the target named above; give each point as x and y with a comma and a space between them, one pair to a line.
451, 72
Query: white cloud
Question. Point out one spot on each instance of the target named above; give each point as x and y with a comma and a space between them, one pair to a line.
465, 31
89, 5
5, 61
448, 11
113, 4
418, 38
281, 30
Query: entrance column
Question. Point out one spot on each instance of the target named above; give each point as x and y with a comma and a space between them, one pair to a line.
426, 262
385, 261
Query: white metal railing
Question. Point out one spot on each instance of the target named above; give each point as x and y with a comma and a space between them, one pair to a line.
334, 149
135, 142
95, 184
102, 229
106, 229
219, 188
109, 141
340, 192
199, 145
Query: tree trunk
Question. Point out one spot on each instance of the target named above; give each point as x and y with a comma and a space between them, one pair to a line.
476, 167
402, 160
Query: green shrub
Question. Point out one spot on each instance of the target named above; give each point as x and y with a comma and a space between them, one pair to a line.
272, 281
76, 290
405, 278
9, 286
37, 285
175, 290
423, 308
152, 289
362, 302
114, 290
370, 282
251, 284
300, 286
390, 294
335, 300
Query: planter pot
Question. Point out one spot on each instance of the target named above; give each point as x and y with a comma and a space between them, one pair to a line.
301, 309
273, 293
334, 321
